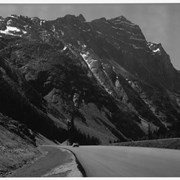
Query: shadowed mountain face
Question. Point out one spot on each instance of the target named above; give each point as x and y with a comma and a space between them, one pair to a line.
127, 87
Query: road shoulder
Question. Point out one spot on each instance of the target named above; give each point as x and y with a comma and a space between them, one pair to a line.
56, 162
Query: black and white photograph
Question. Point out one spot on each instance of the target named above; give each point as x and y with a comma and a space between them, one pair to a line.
89, 90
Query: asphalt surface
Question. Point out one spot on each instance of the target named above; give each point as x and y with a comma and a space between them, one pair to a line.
117, 161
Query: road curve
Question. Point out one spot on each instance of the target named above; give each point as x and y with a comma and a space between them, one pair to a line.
54, 162
117, 161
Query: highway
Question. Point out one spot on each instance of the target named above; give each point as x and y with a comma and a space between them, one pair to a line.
118, 161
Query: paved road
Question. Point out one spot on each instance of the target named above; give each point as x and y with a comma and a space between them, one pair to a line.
109, 161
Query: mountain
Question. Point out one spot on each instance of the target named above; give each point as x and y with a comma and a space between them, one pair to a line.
127, 88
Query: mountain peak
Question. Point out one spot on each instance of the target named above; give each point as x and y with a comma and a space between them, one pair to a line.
14, 15
81, 18
121, 18
103, 19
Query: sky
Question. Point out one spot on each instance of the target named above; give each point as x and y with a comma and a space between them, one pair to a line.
160, 23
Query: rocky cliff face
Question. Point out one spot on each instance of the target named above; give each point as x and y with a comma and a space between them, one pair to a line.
127, 87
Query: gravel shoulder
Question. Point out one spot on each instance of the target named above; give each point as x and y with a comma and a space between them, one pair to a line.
55, 162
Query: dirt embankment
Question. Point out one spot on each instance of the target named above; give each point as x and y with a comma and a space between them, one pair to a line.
56, 163
14, 152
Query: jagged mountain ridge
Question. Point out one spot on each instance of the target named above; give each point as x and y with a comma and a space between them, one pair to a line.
125, 83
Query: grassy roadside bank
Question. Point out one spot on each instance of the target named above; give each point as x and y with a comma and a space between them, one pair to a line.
15, 152
172, 143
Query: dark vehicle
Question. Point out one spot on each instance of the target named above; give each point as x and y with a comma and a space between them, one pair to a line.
75, 145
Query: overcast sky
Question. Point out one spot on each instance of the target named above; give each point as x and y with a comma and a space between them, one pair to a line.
159, 22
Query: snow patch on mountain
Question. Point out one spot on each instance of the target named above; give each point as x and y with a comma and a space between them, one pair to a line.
154, 47
94, 66
65, 47
89, 61
53, 28
156, 50
150, 45
42, 22
12, 30
117, 83
84, 46
13, 16
9, 30
9, 22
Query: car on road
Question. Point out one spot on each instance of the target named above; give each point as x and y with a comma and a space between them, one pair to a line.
75, 145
